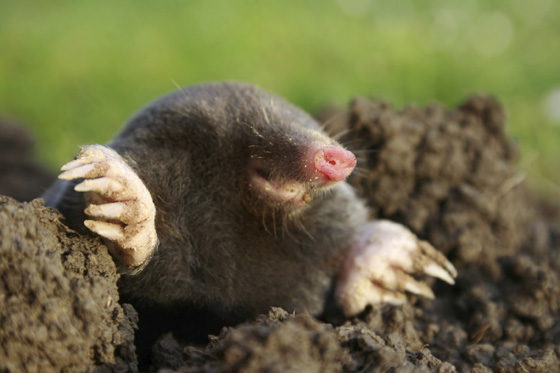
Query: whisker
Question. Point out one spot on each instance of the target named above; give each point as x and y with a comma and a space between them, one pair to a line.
341, 134
272, 106
178, 86
304, 230
361, 160
264, 220
330, 120
360, 167
360, 172
264, 113
274, 222
253, 129
180, 110
351, 142
286, 223
297, 222
285, 230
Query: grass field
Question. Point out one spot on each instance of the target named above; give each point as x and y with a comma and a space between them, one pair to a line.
74, 71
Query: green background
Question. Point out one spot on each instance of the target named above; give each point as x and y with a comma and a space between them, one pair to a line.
75, 71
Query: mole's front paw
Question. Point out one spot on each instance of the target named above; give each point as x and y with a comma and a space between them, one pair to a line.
120, 206
377, 269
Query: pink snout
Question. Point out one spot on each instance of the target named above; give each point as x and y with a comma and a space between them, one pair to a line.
334, 163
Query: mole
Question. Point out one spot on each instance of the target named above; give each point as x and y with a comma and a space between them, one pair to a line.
224, 197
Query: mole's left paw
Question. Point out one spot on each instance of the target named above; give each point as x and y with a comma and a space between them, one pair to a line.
118, 202
377, 269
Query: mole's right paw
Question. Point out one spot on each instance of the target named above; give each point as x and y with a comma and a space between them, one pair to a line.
118, 202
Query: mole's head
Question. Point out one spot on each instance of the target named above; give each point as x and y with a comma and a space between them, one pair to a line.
287, 160
249, 146
291, 162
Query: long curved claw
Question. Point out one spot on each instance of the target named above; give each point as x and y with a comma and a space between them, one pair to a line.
437, 264
435, 270
109, 211
113, 232
72, 164
417, 287
86, 170
103, 186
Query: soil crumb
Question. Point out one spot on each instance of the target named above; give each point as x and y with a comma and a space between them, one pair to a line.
449, 175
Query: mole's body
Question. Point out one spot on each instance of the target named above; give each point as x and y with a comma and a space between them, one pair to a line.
250, 209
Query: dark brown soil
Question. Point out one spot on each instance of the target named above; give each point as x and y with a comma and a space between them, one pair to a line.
59, 308
450, 176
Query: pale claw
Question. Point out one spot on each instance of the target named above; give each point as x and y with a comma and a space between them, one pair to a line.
86, 170
437, 264
416, 287
108, 211
72, 164
378, 266
118, 202
110, 231
435, 270
104, 186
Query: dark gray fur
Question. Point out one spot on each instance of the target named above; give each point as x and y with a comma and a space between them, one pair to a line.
221, 246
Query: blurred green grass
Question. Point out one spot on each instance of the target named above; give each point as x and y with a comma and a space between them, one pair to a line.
75, 71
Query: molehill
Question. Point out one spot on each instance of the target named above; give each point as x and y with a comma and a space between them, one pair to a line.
449, 175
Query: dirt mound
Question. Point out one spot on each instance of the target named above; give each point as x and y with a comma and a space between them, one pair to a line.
449, 175
59, 307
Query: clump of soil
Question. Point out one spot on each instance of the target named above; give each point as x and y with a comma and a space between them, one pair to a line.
278, 342
59, 308
449, 175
